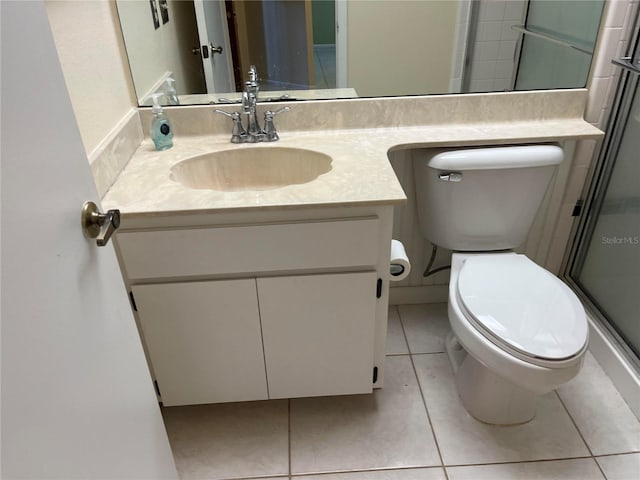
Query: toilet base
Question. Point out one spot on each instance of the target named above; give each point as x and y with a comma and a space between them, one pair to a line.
490, 398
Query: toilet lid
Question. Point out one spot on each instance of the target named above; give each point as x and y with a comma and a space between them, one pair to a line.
516, 303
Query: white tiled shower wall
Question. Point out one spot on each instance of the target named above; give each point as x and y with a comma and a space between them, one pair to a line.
492, 63
460, 48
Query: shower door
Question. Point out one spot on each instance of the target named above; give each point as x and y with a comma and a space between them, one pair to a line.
559, 35
606, 264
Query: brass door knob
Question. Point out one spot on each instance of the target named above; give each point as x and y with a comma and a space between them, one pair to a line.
99, 225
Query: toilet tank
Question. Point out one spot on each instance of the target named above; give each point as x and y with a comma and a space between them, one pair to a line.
482, 199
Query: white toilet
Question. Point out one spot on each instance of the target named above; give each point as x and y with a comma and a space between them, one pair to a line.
517, 330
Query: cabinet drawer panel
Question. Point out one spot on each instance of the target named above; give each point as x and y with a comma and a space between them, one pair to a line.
318, 333
248, 249
203, 340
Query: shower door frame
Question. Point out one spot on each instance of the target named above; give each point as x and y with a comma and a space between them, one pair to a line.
626, 93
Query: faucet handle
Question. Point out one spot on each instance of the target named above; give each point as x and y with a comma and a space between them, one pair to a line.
238, 134
232, 115
276, 112
227, 100
269, 127
268, 115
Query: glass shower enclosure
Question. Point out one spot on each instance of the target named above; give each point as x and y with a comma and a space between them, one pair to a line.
605, 263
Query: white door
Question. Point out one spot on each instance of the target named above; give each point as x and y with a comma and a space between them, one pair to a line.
213, 31
77, 397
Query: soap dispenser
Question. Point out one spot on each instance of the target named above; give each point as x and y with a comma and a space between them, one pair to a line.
161, 131
171, 94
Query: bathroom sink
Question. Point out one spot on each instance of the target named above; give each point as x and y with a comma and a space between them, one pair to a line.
253, 168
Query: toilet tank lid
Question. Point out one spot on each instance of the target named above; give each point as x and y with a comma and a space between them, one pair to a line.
520, 156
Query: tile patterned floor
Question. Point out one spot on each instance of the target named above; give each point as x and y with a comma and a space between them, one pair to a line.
413, 429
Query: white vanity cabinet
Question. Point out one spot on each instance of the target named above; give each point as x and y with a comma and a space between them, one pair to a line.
281, 309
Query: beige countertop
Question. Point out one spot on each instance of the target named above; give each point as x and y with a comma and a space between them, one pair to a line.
358, 136
360, 175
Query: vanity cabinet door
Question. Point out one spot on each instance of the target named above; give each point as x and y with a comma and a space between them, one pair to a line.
203, 340
318, 333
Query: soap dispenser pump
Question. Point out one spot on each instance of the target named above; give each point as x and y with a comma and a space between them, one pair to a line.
171, 94
161, 130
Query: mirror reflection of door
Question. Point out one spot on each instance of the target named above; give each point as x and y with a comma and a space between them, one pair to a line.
278, 38
211, 18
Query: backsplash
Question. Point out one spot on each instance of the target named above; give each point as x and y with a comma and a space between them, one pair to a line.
434, 110
115, 151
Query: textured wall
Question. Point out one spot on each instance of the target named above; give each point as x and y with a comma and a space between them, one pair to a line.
89, 44
401, 47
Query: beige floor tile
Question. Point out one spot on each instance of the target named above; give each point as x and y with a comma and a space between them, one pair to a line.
575, 469
621, 467
602, 416
396, 343
229, 440
387, 429
433, 473
426, 326
464, 440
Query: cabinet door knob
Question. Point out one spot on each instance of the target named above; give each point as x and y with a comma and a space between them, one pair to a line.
99, 225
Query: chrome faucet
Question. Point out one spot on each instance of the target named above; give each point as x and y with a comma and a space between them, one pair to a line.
249, 101
253, 133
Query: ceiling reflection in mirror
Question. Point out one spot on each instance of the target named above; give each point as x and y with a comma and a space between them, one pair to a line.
318, 49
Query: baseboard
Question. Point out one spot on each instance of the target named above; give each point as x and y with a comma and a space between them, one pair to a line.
422, 294
615, 365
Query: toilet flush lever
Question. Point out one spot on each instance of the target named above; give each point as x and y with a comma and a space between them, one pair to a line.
99, 225
451, 176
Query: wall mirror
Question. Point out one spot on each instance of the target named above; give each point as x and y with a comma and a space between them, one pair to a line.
310, 49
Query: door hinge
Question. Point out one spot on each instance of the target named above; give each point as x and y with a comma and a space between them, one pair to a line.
577, 208
375, 374
133, 301
379, 288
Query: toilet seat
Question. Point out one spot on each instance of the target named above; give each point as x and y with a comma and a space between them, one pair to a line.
522, 309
